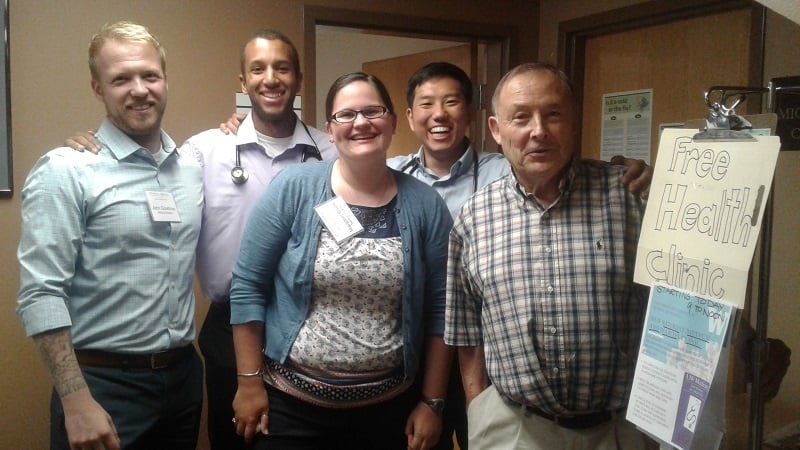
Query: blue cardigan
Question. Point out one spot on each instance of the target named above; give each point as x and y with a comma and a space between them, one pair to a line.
272, 279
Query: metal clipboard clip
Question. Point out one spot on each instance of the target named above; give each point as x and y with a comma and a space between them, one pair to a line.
722, 123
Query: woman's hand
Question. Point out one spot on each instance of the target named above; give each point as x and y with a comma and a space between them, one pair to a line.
250, 408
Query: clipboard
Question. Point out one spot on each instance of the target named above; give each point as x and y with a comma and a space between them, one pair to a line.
723, 124
711, 188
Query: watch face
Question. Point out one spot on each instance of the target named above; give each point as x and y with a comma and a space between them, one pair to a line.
436, 404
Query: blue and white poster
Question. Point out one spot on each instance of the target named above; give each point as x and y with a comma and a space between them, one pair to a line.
682, 340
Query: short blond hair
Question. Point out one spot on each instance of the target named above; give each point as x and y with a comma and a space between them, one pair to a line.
123, 31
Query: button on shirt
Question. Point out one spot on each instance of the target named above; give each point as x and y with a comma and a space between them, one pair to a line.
228, 204
457, 186
92, 258
549, 293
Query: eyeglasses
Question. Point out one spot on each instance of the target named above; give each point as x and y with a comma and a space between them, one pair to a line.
350, 115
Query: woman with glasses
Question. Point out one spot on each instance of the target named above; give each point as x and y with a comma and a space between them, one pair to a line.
338, 295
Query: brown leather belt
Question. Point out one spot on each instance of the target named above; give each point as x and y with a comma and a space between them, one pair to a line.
579, 422
153, 361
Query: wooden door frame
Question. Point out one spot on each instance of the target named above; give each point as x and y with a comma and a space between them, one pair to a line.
573, 34
422, 27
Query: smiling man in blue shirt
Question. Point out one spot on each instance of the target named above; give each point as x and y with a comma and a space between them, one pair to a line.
107, 260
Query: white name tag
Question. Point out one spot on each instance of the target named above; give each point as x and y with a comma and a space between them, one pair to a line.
162, 207
338, 219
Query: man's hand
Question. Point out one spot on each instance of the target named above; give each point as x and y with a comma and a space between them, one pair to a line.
775, 368
474, 377
88, 424
423, 428
83, 141
637, 177
232, 125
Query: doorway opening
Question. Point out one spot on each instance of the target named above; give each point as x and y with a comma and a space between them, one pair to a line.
392, 47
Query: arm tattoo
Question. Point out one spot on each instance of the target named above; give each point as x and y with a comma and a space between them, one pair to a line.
58, 355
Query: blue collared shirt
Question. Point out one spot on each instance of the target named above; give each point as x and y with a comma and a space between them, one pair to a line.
228, 204
91, 257
459, 185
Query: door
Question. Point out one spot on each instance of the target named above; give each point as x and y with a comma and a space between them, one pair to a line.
395, 72
678, 60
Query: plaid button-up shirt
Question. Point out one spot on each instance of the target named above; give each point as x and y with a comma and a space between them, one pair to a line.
549, 292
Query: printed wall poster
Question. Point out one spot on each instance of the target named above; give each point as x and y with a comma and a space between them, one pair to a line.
680, 348
626, 122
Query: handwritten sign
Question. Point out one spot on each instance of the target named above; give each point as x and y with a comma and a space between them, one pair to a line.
704, 213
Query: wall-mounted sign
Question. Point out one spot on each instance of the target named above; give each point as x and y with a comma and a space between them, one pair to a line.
627, 118
787, 107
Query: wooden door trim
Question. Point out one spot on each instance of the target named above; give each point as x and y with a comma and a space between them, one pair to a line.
572, 34
423, 27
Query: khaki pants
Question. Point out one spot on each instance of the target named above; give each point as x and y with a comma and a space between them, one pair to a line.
496, 425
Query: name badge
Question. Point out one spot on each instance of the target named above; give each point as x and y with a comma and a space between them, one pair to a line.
162, 207
338, 219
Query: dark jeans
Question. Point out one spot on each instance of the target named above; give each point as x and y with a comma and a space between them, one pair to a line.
151, 409
297, 425
216, 344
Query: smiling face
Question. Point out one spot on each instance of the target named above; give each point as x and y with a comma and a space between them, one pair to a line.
131, 82
272, 81
534, 121
440, 116
361, 137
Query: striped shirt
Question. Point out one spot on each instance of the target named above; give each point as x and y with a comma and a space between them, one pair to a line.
549, 292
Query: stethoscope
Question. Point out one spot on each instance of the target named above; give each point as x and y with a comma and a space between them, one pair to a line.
239, 175
414, 163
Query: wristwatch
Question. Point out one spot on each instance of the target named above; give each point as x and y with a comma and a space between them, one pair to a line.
436, 404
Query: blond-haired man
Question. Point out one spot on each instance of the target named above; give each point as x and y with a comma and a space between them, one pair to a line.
107, 259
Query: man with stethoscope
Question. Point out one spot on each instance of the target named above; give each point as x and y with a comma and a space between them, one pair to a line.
236, 170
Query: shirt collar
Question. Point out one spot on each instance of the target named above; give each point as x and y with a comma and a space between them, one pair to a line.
122, 146
246, 134
462, 166
565, 185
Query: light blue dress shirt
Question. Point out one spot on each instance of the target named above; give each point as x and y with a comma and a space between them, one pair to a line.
228, 204
91, 256
459, 185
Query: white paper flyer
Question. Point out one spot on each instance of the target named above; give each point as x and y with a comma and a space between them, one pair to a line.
681, 343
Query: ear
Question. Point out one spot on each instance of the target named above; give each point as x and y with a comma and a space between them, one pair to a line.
494, 127
329, 130
242, 84
97, 89
410, 117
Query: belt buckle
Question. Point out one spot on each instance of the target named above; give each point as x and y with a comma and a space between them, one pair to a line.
158, 363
